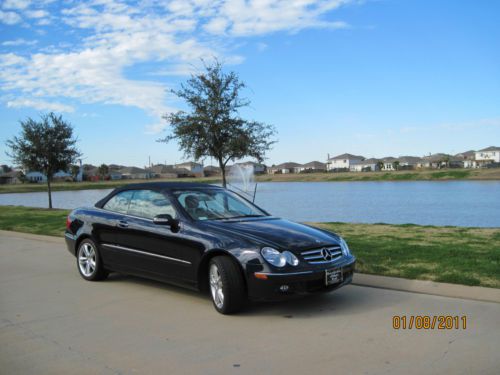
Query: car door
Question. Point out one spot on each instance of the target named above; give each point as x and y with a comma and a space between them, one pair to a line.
108, 222
156, 250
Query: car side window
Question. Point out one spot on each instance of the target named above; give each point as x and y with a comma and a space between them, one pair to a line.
148, 204
119, 202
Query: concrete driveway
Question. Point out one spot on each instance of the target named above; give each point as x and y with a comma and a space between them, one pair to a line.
54, 322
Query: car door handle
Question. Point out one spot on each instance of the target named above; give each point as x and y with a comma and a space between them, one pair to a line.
122, 224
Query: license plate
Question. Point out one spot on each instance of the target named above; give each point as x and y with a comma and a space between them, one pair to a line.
333, 276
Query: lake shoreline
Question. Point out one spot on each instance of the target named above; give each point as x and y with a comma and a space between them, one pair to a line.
382, 176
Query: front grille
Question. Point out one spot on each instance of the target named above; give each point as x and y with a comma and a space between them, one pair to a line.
316, 256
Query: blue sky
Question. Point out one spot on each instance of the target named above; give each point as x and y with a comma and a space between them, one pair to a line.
375, 78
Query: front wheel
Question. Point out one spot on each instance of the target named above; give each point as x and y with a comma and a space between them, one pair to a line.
89, 261
227, 286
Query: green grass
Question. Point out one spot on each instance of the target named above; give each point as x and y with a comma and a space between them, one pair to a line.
33, 220
468, 256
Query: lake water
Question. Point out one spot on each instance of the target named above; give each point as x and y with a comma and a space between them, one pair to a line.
461, 203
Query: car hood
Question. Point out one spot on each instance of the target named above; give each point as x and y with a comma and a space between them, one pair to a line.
275, 232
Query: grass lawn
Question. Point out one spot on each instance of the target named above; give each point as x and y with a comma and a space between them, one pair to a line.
468, 256
417, 175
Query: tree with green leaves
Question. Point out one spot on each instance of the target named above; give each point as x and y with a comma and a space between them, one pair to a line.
213, 126
380, 165
103, 171
47, 146
395, 165
75, 170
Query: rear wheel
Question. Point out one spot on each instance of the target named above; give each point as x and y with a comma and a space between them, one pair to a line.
227, 287
89, 262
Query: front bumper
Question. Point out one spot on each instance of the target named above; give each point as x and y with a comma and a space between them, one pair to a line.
296, 284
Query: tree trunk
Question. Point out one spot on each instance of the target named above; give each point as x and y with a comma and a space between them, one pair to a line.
223, 171
50, 192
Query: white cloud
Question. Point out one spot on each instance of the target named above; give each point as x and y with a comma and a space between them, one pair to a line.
16, 4
19, 42
40, 105
37, 13
118, 36
9, 18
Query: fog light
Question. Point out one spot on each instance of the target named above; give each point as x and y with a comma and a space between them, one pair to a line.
284, 288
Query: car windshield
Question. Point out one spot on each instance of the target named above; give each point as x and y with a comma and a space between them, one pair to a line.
216, 204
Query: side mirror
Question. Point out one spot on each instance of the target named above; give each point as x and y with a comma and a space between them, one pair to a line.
166, 219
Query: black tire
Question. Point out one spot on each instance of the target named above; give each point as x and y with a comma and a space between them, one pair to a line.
232, 284
92, 269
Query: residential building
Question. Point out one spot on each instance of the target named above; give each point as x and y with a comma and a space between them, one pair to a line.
37, 177
463, 160
212, 170
366, 165
312, 166
487, 156
11, 177
135, 173
284, 168
343, 162
196, 169
409, 162
436, 161
389, 163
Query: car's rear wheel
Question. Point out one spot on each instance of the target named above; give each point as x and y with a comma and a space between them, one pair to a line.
89, 262
227, 287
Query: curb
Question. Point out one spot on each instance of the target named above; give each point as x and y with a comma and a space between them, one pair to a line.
477, 293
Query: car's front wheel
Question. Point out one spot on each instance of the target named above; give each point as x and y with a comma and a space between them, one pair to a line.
227, 287
89, 261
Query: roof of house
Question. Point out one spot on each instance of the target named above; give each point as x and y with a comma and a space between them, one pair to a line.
287, 165
315, 164
371, 161
212, 168
409, 159
132, 170
436, 157
187, 164
491, 148
389, 159
347, 156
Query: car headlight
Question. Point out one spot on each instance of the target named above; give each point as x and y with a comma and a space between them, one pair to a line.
344, 247
277, 258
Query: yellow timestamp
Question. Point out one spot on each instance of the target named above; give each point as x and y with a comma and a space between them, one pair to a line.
429, 322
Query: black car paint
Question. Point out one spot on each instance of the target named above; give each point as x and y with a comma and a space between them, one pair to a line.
181, 256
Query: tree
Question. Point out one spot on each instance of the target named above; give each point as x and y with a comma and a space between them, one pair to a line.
213, 126
46, 146
395, 165
103, 171
380, 165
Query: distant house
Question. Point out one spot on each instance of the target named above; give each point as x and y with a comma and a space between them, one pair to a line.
11, 177
135, 173
343, 162
211, 170
312, 166
37, 177
487, 156
196, 169
366, 165
410, 162
284, 168
388, 163
464, 159
436, 161
115, 175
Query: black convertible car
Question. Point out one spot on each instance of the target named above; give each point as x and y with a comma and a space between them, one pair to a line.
205, 237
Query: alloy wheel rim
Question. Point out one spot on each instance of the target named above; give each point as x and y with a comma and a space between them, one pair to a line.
87, 259
216, 286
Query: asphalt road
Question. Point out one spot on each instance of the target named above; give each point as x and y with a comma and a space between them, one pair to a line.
54, 322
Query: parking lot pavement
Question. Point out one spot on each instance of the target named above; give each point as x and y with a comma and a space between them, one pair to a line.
54, 322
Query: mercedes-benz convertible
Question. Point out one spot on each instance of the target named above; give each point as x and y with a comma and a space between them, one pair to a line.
207, 238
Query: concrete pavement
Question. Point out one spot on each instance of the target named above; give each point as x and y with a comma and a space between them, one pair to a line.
54, 322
